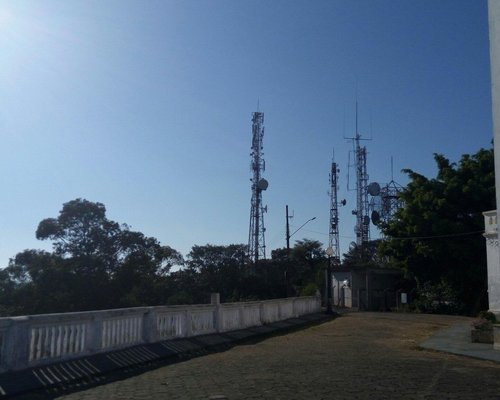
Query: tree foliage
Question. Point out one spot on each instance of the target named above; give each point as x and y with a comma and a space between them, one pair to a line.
303, 266
436, 237
364, 256
96, 263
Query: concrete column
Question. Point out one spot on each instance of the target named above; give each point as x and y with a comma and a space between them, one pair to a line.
215, 301
494, 31
16, 345
94, 334
149, 326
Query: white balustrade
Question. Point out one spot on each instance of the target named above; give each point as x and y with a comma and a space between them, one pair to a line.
230, 316
203, 321
251, 315
270, 312
52, 341
117, 332
286, 309
35, 340
171, 325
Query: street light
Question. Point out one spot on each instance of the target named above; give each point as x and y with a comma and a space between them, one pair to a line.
288, 236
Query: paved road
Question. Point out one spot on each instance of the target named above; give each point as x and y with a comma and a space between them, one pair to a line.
357, 356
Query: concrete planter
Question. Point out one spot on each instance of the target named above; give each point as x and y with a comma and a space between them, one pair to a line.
496, 336
482, 336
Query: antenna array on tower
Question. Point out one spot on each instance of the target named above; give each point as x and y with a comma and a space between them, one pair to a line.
333, 241
256, 239
362, 228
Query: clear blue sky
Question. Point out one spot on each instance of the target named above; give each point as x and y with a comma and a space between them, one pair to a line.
146, 106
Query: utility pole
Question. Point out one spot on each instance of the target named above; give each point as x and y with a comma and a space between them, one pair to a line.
287, 232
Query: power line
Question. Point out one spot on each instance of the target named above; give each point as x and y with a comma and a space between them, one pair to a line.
410, 237
437, 236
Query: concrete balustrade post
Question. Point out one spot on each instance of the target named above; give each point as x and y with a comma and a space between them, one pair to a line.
94, 335
189, 323
215, 301
149, 326
16, 344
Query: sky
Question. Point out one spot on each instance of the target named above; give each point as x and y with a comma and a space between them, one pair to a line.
146, 107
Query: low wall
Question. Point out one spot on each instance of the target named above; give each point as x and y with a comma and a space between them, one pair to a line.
34, 340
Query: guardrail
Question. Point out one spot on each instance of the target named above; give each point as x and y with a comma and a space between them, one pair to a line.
35, 340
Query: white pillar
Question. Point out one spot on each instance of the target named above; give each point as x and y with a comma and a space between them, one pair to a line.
493, 258
494, 30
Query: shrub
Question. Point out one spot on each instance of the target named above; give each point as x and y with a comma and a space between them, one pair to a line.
309, 290
437, 298
482, 324
487, 315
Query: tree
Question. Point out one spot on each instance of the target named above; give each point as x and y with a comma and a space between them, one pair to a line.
40, 283
363, 256
303, 265
218, 269
96, 263
436, 237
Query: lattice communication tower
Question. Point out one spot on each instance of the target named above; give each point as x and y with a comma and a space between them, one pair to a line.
385, 201
256, 238
333, 241
362, 228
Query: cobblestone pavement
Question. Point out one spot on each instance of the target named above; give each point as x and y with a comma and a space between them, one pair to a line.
357, 356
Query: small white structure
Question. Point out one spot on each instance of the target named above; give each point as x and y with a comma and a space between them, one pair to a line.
373, 289
493, 258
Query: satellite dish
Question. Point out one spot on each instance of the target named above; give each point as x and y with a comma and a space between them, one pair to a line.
375, 217
343, 202
263, 184
374, 189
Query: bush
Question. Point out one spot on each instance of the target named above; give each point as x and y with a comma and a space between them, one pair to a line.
487, 315
309, 290
437, 298
482, 324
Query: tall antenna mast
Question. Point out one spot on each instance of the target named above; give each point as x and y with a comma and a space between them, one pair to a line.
362, 228
333, 241
256, 240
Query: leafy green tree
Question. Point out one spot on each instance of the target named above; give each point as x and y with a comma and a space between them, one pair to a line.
436, 237
303, 265
40, 283
218, 269
96, 263
364, 256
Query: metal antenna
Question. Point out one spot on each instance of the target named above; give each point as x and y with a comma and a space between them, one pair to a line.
392, 169
362, 228
256, 240
333, 241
